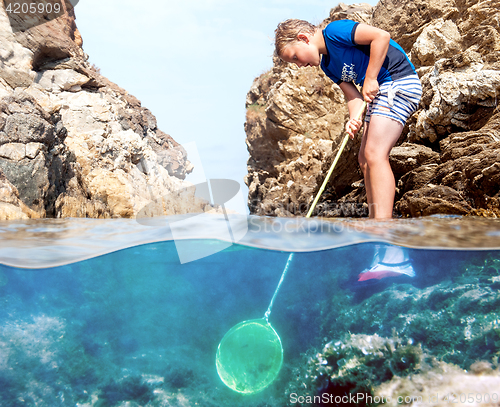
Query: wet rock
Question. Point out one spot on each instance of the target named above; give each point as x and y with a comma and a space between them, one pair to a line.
129, 388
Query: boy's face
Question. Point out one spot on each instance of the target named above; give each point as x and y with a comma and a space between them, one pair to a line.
302, 52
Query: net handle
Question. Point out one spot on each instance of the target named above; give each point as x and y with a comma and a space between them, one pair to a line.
318, 195
268, 312
334, 163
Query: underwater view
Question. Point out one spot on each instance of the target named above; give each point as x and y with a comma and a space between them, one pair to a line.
119, 313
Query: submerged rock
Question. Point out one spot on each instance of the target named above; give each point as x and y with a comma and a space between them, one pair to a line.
451, 142
431, 341
353, 366
442, 385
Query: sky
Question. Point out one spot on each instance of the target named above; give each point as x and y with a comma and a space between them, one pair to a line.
192, 63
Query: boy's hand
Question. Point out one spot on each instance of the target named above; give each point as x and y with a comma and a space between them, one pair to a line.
370, 89
352, 127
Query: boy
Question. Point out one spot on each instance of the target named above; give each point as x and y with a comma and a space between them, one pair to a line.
353, 53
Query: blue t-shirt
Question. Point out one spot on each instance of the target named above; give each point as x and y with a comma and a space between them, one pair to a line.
347, 61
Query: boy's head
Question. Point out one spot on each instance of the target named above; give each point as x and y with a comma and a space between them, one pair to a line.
288, 32
298, 41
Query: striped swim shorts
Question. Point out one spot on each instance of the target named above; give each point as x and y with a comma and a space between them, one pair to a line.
396, 99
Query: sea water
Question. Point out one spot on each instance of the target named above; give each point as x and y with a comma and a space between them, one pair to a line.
130, 313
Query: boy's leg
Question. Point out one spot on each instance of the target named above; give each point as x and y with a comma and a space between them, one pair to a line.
364, 168
379, 137
389, 261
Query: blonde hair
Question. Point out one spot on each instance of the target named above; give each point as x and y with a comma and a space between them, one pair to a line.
287, 31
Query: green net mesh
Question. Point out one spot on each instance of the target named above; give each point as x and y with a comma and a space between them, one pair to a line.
249, 356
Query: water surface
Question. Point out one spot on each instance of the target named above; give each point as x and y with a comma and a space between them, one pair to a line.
103, 313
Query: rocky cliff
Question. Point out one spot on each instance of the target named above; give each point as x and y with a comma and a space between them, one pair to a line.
447, 159
71, 142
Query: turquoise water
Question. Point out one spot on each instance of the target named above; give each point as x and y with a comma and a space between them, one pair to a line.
103, 313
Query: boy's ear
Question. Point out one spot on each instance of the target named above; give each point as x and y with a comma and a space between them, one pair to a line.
303, 37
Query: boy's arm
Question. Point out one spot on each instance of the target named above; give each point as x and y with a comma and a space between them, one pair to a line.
378, 40
354, 103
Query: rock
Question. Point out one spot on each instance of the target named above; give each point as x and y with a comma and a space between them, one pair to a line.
170, 154
448, 97
467, 165
112, 188
72, 143
27, 128
394, 339
32, 180
25, 120
54, 40
335, 369
438, 40
436, 388
408, 156
451, 142
361, 12
11, 207
432, 200
294, 125
68, 206
63, 79
407, 19
32, 149
32, 155
13, 151
11, 212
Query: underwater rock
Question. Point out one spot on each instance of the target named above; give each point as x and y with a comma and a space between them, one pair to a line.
442, 385
179, 377
353, 366
32, 360
455, 48
441, 315
128, 389
421, 339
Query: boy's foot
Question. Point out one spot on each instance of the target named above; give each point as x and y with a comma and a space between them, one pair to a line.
382, 270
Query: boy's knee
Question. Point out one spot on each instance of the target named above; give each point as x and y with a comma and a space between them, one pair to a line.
374, 157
